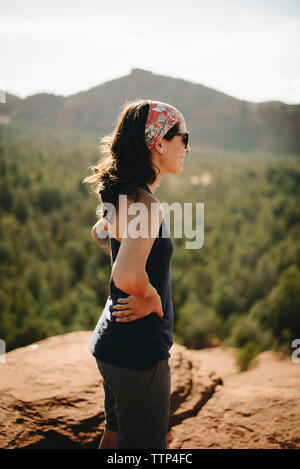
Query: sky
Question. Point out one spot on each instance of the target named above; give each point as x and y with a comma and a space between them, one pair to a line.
248, 49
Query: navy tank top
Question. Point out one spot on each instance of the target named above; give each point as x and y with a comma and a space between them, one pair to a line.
139, 344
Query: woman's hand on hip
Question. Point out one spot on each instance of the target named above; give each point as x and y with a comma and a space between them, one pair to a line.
136, 307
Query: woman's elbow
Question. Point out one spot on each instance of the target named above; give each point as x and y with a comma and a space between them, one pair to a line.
129, 283
122, 281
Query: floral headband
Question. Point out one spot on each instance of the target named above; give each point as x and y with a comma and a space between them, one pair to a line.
161, 118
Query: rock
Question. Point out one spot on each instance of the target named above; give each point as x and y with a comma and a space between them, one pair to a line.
52, 397
259, 408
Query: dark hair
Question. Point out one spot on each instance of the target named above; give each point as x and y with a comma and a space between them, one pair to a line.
127, 161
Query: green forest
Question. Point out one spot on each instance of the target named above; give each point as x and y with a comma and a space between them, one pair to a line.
241, 289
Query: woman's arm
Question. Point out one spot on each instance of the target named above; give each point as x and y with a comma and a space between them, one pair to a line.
129, 269
100, 235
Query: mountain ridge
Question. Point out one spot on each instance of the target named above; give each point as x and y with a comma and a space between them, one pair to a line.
214, 118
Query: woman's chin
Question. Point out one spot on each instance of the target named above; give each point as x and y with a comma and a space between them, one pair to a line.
177, 169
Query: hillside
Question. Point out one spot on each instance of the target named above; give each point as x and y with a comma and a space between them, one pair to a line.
241, 287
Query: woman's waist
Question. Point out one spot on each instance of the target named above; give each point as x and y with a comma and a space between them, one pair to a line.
163, 289
149, 323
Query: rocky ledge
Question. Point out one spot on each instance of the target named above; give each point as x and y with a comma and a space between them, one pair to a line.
51, 396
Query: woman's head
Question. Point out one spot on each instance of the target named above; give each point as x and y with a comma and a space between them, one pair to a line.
167, 137
131, 158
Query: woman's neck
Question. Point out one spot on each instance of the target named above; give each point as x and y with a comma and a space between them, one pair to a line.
154, 186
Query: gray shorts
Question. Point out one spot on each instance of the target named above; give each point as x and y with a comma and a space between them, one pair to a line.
137, 404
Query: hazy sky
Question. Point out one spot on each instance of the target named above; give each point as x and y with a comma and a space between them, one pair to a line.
248, 49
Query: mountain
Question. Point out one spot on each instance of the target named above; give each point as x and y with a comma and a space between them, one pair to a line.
213, 118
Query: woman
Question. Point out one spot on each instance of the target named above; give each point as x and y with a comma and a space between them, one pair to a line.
132, 339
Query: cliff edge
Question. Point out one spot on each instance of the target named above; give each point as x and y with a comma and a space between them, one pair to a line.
51, 396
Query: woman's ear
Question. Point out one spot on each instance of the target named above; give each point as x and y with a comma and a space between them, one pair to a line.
158, 148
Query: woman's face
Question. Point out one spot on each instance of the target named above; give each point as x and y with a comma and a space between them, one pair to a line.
169, 155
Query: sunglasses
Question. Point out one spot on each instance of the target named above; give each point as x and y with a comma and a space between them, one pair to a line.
185, 137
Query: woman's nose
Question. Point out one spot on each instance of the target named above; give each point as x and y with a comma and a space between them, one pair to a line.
188, 149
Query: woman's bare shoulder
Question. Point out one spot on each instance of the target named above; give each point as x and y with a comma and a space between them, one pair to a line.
124, 214
142, 197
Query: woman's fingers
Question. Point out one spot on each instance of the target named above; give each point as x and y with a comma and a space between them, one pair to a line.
131, 317
126, 315
121, 312
120, 307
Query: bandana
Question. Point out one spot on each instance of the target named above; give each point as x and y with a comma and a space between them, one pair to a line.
161, 118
